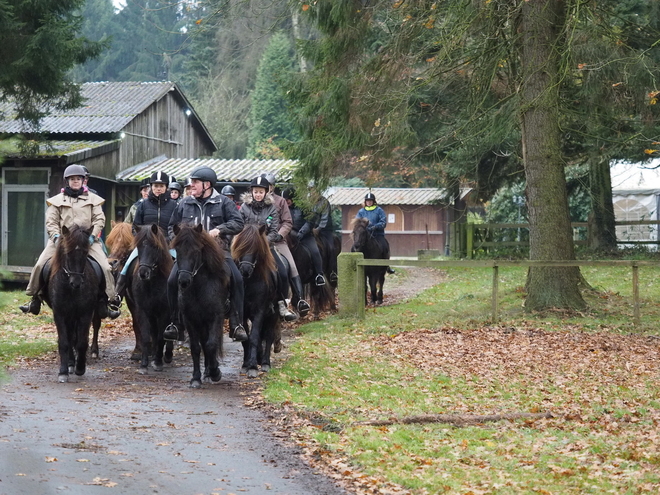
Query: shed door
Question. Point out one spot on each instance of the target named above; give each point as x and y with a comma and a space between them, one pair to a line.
23, 214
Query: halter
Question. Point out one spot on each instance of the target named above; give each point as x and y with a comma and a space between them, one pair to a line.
194, 272
69, 272
244, 262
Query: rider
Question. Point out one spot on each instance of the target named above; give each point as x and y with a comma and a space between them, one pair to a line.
72, 206
175, 191
377, 223
144, 194
302, 228
187, 188
286, 224
220, 218
156, 209
325, 228
258, 208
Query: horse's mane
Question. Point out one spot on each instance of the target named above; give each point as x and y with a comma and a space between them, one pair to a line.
76, 237
156, 239
213, 256
119, 241
359, 225
252, 240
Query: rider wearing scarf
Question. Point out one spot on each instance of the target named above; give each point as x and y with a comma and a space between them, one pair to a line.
73, 206
258, 208
377, 222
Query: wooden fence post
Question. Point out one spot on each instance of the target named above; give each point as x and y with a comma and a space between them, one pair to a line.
350, 285
470, 240
635, 281
494, 301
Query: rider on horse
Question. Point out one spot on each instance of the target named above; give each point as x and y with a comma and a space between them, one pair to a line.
377, 223
73, 206
324, 226
286, 224
258, 208
144, 194
156, 209
218, 216
175, 190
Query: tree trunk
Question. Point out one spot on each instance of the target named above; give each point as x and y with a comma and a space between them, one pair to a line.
602, 229
550, 235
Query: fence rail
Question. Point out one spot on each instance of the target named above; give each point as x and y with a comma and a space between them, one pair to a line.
352, 282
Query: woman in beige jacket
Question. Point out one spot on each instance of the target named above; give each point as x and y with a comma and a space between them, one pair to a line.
74, 205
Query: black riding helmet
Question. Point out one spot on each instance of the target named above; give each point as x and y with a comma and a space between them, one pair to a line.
159, 178
370, 196
228, 191
289, 193
176, 186
205, 174
260, 181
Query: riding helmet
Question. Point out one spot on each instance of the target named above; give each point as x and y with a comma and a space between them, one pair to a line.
175, 185
74, 170
144, 183
205, 174
370, 196
260, 182
270, 177
87, 174
228, 191
188, 182
159, 178
289, 193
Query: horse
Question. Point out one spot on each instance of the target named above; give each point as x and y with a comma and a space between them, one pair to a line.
120, 243
255, 261
322, 298
365, 243
203, 286
73, 295
147, 287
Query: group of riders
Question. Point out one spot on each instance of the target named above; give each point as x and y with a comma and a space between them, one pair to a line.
166, 203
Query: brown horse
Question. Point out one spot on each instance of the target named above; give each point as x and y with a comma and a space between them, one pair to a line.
120, 245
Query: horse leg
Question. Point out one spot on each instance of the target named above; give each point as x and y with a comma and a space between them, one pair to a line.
212, 370
158, 341
96, 325
145, 340
136, 355
82, 343
269, 337
195, 349
254, 341
381, 282
169, 351
62, 348
246, 350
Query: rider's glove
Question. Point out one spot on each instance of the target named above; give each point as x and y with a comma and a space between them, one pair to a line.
91, 239
56, 238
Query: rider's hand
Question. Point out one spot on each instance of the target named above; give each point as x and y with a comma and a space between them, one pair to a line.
91, 239
214, 232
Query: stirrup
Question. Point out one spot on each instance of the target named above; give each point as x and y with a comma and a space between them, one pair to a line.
239, 334
319, 280
171, 332
303, 308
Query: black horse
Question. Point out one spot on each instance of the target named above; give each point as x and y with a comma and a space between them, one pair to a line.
368, 245
322, 298
203, 285
255, 261
73, 295
147, 288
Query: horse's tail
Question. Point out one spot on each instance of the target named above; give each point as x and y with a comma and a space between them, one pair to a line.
323, 297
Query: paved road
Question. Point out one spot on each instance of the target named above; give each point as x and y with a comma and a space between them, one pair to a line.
115, 431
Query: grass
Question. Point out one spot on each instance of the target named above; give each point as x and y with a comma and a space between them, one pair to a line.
16, 336
439, 354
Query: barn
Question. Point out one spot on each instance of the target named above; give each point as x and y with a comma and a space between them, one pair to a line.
417, 219
120, 125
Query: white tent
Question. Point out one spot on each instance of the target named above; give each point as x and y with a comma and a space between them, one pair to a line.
635, 194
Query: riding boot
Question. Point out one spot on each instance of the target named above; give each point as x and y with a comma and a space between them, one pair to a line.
285, 312
34, 306
390, 270
236, 329
297, 288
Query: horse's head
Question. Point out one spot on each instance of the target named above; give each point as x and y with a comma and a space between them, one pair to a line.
251, 252
153, 252
197, 250
71, 254
120, 244
360, 234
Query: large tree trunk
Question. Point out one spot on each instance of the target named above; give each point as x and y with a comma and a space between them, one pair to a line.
602, 227
550, 235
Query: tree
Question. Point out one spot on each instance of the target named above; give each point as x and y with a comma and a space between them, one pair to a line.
498, 69
269, 114
39, 45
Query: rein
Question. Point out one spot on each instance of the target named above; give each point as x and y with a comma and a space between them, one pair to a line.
69, 272
194, 272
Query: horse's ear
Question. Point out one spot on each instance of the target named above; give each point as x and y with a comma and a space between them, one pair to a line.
137, 228
154, 229
199, 227
176, 229
262, 228
112, 224
65, 230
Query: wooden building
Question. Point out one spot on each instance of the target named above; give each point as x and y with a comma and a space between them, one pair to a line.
119, 125
417, 219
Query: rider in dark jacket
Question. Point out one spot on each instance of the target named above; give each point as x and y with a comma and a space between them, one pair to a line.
158, 207
303, 230
219, 217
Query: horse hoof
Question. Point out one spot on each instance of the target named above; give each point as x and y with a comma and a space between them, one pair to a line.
216, 376
157, 367
136, 356
80, 372
195, 384
95, 355
142, 371
265, 368
167, 359
70, 370
243, 370
252, 373
63, 378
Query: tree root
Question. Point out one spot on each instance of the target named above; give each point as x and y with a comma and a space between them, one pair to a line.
454, 419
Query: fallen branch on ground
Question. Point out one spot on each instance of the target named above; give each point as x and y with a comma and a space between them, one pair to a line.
454, 419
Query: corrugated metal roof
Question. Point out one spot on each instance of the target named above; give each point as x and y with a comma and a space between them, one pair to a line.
57, 148
107, 107
339, 196
227, 170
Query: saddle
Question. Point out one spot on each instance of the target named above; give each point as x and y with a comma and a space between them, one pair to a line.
45, 275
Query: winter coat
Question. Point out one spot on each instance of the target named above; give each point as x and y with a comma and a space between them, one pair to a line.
286, 222
377, 219
217, 212
262, 213
65, 211
301, 225
155, 209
